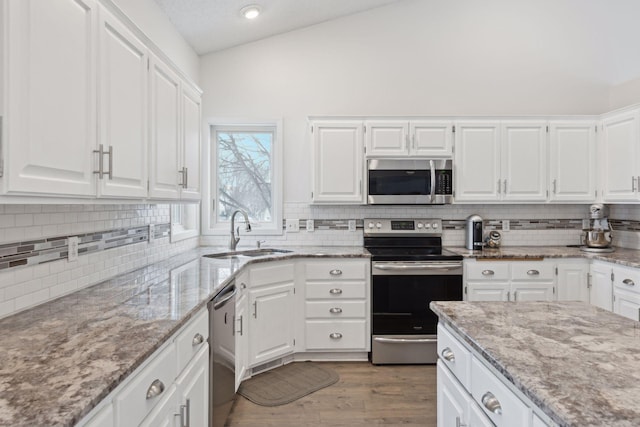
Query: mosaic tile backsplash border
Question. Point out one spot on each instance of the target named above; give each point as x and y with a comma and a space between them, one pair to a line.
34, 252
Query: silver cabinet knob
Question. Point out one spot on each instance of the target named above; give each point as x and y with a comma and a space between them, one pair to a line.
533, 272
155, 389
335, 310
488, 272
335, 335
448, 354
335, 272
197, 339
628, 282
491, 403
335, 291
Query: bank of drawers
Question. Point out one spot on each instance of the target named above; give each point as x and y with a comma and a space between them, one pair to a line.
336, 305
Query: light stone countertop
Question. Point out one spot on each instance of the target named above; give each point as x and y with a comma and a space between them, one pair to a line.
578, 363
60, 359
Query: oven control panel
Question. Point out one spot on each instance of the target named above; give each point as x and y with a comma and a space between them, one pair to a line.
402, 226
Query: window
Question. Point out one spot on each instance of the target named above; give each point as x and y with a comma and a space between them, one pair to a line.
185, 220
246, 175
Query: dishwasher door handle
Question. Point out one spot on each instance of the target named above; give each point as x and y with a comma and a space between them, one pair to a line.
404, 340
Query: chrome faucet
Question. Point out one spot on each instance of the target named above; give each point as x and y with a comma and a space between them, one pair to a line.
234, 240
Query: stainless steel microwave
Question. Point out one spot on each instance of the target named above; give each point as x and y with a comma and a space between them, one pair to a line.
409, 182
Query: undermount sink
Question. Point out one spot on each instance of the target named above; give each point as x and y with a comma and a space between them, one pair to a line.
247, 253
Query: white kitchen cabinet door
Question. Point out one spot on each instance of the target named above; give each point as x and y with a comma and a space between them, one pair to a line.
242, 332
626, 304
573, 282
524, 161
271, 322
488, 291
477, 162
163, 414
51, 96
431, 138
387, 138
193, 390
452, 400
337, 162
123, 124
620, 152
572, 167
532, 292
601, 285
191, 143
166, 97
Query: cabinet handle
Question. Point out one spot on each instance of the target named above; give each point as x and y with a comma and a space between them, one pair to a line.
633, 184
197, 340
255, 309
499, 187
185, 414
554, 186
491, 403
240, 321
335, 335
488, 272
335, 272
459, 423
100, 171
515, 295
335, 291
508, 295
110, 154
448, 355
335, 310
155, 389
628, 282
505, 186
533, 272
186, 177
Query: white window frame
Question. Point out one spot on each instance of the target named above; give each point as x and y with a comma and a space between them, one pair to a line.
210, 226
188, 225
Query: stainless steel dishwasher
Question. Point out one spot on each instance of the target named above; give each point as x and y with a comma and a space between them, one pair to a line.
222, 368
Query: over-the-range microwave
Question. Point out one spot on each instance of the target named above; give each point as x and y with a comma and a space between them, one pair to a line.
409, 181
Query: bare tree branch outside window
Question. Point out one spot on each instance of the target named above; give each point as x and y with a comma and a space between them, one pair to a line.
244, 174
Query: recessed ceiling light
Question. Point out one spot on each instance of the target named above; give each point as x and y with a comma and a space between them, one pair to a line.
250, 12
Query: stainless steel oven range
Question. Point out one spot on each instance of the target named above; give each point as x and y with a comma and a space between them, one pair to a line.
409, 269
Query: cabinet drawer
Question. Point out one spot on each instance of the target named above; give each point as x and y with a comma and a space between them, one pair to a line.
335, 309
487, 271
271, 273
338, 335
455, 356
132, 403
192, 338
339, 290
488, 391
532, 271
627, 279
336, 270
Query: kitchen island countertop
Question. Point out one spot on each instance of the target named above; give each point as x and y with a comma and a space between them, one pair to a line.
579, 364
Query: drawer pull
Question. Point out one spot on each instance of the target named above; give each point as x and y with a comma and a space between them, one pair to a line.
448, 355
335, 272
459, 423
491, 403
335, 291
533, 272
197, 340
629, 282
335, 335
335, 310
488, 272
155, 389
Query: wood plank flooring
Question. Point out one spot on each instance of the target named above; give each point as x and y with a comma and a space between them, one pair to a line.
403, 395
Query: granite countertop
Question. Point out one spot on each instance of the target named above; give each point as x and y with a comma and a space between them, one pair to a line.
60, 359
578, 363
628, 257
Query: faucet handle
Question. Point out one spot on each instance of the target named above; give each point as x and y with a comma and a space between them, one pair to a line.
259, 242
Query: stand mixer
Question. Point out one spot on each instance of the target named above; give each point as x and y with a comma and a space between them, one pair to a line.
597, 238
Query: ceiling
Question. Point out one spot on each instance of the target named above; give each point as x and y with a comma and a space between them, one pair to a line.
213, 25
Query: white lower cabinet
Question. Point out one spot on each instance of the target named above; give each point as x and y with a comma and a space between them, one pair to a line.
601, 291
626, 292
480, 399
242, 328
193, 391
573, 280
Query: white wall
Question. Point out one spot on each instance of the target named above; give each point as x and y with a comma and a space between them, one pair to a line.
156, 25
624, 94
420, 57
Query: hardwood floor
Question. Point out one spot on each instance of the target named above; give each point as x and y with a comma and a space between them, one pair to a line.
366, 395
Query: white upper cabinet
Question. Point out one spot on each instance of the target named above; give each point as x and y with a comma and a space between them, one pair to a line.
621, 165
337, 162
396, 138
191, 143
50, 91
524, 161
165, 132
500, 161
123, 110
477, 161
572, 156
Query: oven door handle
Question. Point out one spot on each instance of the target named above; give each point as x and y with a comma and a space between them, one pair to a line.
405, 340
433, 180
422, 266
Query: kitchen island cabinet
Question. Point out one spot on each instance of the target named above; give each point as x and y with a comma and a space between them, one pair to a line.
542, 352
